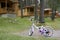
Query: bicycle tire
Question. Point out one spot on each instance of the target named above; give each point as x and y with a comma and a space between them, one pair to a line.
50, 29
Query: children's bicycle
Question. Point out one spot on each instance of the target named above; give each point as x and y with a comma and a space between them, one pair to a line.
46, 31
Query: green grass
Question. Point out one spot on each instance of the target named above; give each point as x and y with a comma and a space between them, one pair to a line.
21, 24
7, 36
55, 24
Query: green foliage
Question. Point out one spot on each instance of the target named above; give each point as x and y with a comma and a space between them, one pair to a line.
54, 3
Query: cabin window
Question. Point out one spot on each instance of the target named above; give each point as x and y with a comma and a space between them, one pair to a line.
31, 9
3, 4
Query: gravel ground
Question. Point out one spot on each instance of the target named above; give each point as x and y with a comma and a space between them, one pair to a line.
56, 33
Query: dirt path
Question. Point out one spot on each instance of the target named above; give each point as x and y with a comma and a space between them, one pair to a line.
25, 33
37, 34
56, 34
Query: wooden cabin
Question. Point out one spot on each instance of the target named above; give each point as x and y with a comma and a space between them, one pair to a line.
8, 6
57, 14
3, 7
12, 6
27, 11
47, 12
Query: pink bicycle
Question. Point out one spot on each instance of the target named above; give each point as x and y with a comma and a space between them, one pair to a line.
46, 31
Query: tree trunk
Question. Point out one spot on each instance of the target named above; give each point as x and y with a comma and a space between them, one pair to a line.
21, 8
41, 18
35, 10
53, 11
53, 15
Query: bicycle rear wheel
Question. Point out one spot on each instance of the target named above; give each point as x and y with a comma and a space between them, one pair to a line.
48, 32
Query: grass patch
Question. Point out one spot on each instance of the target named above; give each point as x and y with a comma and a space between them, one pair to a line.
7, 36
20, 24
6, 26
55, 24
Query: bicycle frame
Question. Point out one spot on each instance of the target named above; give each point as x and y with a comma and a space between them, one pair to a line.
44, 30
40, 29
